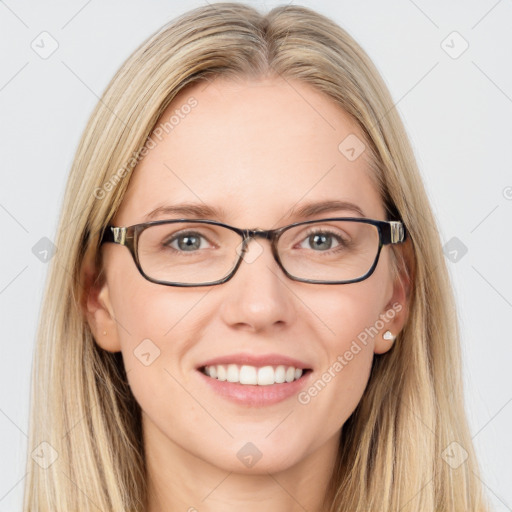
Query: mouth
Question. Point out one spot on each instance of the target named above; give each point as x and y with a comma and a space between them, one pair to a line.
249, 375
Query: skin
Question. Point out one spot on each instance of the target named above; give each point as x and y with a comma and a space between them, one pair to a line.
244, 141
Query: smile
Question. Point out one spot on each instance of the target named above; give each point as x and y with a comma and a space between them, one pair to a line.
253, 386
253, 375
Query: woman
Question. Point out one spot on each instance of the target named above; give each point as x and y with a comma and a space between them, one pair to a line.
249, 306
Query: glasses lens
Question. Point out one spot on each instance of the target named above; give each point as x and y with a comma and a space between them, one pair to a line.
329, 250
187, 252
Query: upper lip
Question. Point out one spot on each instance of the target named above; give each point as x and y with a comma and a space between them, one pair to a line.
256, 360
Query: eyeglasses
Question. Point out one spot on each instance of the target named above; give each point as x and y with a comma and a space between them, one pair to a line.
201, 252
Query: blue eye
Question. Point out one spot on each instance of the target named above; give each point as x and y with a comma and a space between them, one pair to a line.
187, 242
323, 240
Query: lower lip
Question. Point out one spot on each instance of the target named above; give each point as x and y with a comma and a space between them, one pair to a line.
257, 396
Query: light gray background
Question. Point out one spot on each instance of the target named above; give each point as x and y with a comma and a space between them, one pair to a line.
457, 110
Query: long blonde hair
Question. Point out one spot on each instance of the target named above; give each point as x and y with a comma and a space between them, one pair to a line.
392, 454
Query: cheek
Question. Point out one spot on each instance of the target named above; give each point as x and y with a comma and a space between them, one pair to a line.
159, 331
351, 313
358, 311
153, 323
352, 321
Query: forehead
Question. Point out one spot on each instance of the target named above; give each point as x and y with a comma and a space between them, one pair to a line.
255, 149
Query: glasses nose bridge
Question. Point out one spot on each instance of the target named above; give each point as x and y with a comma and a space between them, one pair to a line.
261, 233
267, 234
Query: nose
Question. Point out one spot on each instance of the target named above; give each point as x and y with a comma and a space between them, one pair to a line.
258, 296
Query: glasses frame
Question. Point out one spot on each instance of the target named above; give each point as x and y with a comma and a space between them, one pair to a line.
390, 232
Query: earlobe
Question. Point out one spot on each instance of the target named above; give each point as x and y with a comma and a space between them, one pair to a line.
394, 320
385, 339
100, 313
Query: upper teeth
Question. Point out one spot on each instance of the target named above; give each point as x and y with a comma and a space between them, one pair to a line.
244, 374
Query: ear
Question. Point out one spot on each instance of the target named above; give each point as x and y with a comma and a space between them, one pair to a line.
396, 311
98, 310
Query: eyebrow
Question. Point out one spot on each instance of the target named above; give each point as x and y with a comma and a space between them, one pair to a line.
188, 210
204, 211
315, 208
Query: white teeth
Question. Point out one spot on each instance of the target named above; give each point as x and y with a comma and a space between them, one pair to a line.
246, 374
221, 372
232, 373
280, 374
266, 376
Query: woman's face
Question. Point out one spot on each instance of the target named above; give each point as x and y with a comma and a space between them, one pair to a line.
256, 150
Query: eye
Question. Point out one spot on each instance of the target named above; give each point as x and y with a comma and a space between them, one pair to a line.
321, 239
189, 241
